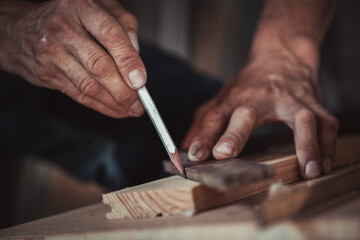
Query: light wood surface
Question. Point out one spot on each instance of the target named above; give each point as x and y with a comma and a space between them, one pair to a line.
164, 197
235, 221
178, 196
223, 175
228, 174
286, 201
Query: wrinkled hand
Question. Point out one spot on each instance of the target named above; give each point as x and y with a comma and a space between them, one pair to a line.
270, 88
85, 49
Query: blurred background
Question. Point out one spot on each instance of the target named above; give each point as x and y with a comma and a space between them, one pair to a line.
214, 36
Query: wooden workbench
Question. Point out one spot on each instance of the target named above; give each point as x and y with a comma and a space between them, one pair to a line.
338, 219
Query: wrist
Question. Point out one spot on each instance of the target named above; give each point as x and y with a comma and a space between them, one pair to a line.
277, 41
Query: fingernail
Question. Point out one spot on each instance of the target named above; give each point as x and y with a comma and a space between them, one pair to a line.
136, 107
134, 40
327, 165
137, 78
312, 169
225, 148
196, 153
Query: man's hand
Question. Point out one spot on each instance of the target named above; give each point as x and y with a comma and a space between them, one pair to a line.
85, 49
274, 89
279, 84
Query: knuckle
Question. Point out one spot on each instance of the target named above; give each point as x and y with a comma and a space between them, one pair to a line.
128, 61
305, 115
248, 111
109, 28
55, 23
99, 64
89, 87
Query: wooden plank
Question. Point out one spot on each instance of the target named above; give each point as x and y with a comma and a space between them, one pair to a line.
288, 201
231, 222
164, 197
223, 175
178, 196
228, 174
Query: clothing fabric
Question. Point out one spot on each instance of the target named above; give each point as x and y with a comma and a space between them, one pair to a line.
116, 153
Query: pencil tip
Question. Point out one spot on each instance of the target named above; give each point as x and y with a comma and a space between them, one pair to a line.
184, 175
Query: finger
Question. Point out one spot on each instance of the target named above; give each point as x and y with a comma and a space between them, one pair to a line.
306, 143
89, 87
112, 36
242, 123
70, 90
328, 131
127, 20
101, 74
62, 84
194, 128
210, 129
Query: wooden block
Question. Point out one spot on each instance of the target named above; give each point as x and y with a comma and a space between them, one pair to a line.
223, 175
287, 201
229, 174
233, 222
178, 196
164, 197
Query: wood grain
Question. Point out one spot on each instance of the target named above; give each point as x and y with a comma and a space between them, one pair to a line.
233, 173
232, 222
164, 197
287, 201
178, 196
223, 175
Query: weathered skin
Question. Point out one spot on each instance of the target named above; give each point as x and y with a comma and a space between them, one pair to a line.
278, 84
85, 49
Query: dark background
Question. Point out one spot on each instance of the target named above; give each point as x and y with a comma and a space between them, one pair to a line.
214, 37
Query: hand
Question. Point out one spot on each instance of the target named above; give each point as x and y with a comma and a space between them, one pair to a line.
271, 88
85, 49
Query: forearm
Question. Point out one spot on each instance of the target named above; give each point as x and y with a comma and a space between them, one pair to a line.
297, 26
